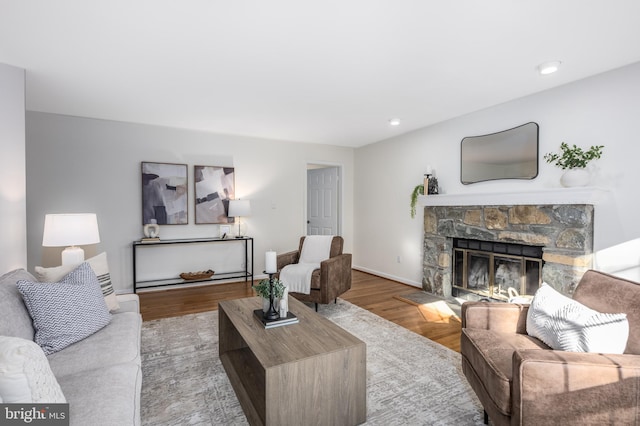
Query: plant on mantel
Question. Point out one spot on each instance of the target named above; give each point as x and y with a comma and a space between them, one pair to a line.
418, 190
573, 157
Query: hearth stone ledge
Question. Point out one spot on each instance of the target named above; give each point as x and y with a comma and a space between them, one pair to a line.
565, 231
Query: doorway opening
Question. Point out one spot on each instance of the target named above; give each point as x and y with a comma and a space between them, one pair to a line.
324, 199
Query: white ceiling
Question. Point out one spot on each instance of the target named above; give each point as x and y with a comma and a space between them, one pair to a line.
330, 71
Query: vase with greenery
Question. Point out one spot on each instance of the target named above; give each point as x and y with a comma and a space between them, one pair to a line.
573, 160
262, 290
418, 190
573, 157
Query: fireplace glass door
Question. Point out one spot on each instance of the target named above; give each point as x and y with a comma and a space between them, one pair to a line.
507, 274
478, 276
492, 274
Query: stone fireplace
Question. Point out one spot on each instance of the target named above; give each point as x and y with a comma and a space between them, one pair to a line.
562, 232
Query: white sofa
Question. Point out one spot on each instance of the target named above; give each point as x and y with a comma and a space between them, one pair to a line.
100, 376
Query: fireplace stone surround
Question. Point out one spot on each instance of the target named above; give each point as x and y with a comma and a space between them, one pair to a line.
564, 231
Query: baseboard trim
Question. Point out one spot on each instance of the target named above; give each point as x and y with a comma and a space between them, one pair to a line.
388, 276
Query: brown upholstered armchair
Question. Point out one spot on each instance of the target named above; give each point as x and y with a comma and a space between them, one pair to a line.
521, 381
331, 280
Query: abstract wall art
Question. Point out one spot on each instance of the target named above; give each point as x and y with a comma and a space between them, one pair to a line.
164, 193
214, 187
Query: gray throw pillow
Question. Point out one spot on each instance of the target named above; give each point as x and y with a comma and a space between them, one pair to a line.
67, 311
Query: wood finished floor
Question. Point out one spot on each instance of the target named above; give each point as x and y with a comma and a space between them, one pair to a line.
370, 292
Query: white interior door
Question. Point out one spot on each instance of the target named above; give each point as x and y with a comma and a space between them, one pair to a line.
322, 201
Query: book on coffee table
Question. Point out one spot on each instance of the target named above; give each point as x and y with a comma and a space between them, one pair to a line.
271, 323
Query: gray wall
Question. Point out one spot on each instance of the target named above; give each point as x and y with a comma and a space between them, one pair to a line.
13, 225
79, 165
602, 110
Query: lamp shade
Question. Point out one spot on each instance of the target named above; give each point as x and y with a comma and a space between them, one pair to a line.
239, 208
73, 229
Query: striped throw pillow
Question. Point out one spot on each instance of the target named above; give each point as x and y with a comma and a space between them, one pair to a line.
565, 324
100, 266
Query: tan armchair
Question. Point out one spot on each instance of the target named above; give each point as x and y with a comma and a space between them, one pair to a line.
521, 381
331, 280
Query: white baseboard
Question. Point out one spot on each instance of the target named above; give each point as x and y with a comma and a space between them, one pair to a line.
388, 276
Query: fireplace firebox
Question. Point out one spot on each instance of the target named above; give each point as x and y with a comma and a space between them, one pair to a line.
490, 269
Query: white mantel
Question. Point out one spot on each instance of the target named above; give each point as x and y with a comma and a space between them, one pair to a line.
553, 196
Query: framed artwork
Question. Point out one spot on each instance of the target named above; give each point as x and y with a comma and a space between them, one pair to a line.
214, 187
164, 193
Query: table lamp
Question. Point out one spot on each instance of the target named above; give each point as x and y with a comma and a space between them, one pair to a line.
239, 208
73, 229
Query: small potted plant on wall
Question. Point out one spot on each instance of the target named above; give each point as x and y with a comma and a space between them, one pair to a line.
573, 160
262, 289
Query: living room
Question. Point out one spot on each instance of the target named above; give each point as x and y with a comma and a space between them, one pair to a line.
61, 162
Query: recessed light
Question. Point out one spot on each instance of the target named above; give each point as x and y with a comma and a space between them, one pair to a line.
548, 67
394, 122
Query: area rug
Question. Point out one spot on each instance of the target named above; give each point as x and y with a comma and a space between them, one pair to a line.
410, 379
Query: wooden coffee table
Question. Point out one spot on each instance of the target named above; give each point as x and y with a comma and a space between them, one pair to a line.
313, 372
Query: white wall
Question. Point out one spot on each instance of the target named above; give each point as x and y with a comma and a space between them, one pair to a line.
87, 165
602, 110
76, 164
13, 224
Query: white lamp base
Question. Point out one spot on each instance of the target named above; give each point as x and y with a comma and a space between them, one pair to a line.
72, 256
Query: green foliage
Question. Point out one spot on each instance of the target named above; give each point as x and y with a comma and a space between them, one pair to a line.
573, 157
262, 288
418, 190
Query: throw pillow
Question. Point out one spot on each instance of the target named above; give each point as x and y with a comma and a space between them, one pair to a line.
565, 324
99, 265
25, 374
66, 312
